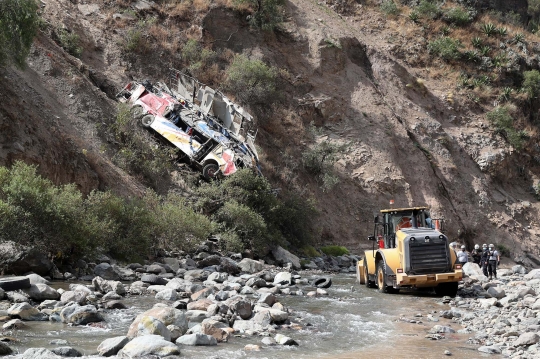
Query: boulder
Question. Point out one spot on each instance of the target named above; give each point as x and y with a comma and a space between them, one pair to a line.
39, 353
167, 294
106, 271
523, 291
260, 322
150, 325
278, 316
496, 292
519, 269
250, 266
124, 273
167, 315
533, 274
148, 345
211, 260
201, 304
256, 282
187, 263
269, 341
229, 266
267, 298
196, 339
17, 259
218, 277
218, 330
155, 269
14, 324
527, 339
16, 297
284, 340
137, 288
283, 278
203, 293
67, 352
196, 316
25, 311
111, 346
5, 349
178, 284
106, 286
491, 349
114, 304
441, 329
473, 270
195, 275
283, 256
74, 296
80, 315
40, 292
36, 279
173, 263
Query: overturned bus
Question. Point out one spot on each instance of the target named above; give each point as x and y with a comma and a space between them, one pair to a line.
201, 122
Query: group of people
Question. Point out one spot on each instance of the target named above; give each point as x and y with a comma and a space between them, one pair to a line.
488, 258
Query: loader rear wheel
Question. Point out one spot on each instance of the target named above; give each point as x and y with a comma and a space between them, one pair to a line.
447, 289
368, 283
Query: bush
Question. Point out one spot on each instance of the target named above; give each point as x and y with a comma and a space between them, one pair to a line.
196, 57
252, 81
504, 124
531, 83
389, 7
69, 41
428, 10
19, 22
334, 251
267, 14
133, 41
445, 48
503, 250
310, 252
457, 16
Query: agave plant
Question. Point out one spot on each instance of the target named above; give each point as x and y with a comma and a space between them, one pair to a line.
484, 50
519, 38
502, 31
500, 60
476, 42
414, 17
488, 28
445, 30
471, 55
506, 94
464, 82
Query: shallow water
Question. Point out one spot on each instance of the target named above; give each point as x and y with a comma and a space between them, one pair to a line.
346, 324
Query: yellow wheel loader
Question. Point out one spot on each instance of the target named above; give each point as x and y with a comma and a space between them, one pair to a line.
411, 252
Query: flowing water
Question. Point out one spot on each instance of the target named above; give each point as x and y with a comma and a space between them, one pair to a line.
359, 323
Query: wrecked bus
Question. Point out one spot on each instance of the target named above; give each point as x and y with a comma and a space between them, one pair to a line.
202, 123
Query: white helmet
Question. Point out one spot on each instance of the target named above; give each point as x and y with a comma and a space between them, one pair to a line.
484, 245
462, 247
491, 246
476, 246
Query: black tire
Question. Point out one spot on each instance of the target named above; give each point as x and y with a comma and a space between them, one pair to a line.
153, 279
381, 277
137, 112
322, 282
14, 283
147, 120
210, 171
368, 283
447, 289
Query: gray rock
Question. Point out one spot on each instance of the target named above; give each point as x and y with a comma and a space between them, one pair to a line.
260, 322
39, 353
173, 263
25, 311
5, 349
148, 345
496, 292
441, 329
115, 304
67, 352
196, 339
74, 296
124, 273
283, 278
229, 266
267, 298
218, 277
58, 342
18, 259
167, 315
80, 315
167, 294
491, 349
519, 269
284, 340
36, 278
151, 326
155, 269
250, 266
14, 324
106, 286
256, 282
106, 271
242, 308
283, 256
16, 297
269, 341
111, 346
533, 274
40, 292
195, 275
527, 339
196, 316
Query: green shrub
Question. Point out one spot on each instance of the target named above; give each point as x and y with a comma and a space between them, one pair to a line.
414, 17
334, 251
457, 16
428, 9
504, 124
503, 250
133, 41
69, 41
252, 81
445, 48
196, 56
310, 251
531, 83
19, 21
389, 7
267, 14
506, 94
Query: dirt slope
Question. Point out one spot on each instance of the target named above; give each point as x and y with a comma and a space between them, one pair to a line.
409, 141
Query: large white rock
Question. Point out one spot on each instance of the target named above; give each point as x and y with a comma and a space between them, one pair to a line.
106, 286
496, 292
40, 292
283, 256
111, 346
150, 325
527, 339
167, 315
250, 266
148, 345
36, 278
196, 339
473, 270
283, 278
39, 353
533, 274
26, 312
167, 294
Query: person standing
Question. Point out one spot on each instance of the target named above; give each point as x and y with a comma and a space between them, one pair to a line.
484, 259
476, 254
462, 256
493, 261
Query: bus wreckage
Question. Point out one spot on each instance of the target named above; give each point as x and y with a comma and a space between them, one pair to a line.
201, 122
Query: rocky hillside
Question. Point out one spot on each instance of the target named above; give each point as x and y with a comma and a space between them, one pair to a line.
372, 79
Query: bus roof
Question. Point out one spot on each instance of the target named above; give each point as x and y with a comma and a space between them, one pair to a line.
403, 209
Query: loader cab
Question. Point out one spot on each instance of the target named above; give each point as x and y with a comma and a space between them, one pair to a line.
392, 220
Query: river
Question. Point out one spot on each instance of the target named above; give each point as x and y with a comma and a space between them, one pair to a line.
358, 323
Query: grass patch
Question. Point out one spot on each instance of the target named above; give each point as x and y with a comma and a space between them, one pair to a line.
334, 251
446, 48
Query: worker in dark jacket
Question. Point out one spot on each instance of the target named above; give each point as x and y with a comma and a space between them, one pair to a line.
476, 254
484, 259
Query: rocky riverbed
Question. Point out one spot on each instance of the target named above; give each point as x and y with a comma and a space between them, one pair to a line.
231, 307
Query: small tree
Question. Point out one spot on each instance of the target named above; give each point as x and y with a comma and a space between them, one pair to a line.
267, 14
252, 81
531, 83
18, 26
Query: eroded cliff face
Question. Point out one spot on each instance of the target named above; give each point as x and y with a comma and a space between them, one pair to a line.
410, 137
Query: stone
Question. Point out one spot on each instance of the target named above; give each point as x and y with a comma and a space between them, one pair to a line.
195, 275
167, 315
441, 329
496, 292
473, 270
36, 279
321, 291
39, 353
268, 341
16, 297
67, 352
248, 265
218, 277
203, 293
124, 273
25, 311
80, 315
201, 304
148, 345
278, 316
533, 274
252, 347
115, 304
247, 290
74, 296
519, 269
283, 278
111, 296
178, 284
229, 266
40, 292
14, 324
5, 349
218, 330
284, 340
155, 269
260, 322
491, 349
267, 298
111, 346
137, 288
150, 325
18, 259
283, 256
173, 263
523, 291
187, 263
106, 286
242, 308
196, 316
167, 294
447, 352
210, 260
58, 342
106, 271
196, 339
527, 339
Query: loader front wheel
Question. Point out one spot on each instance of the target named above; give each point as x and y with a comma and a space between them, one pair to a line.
368, 283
